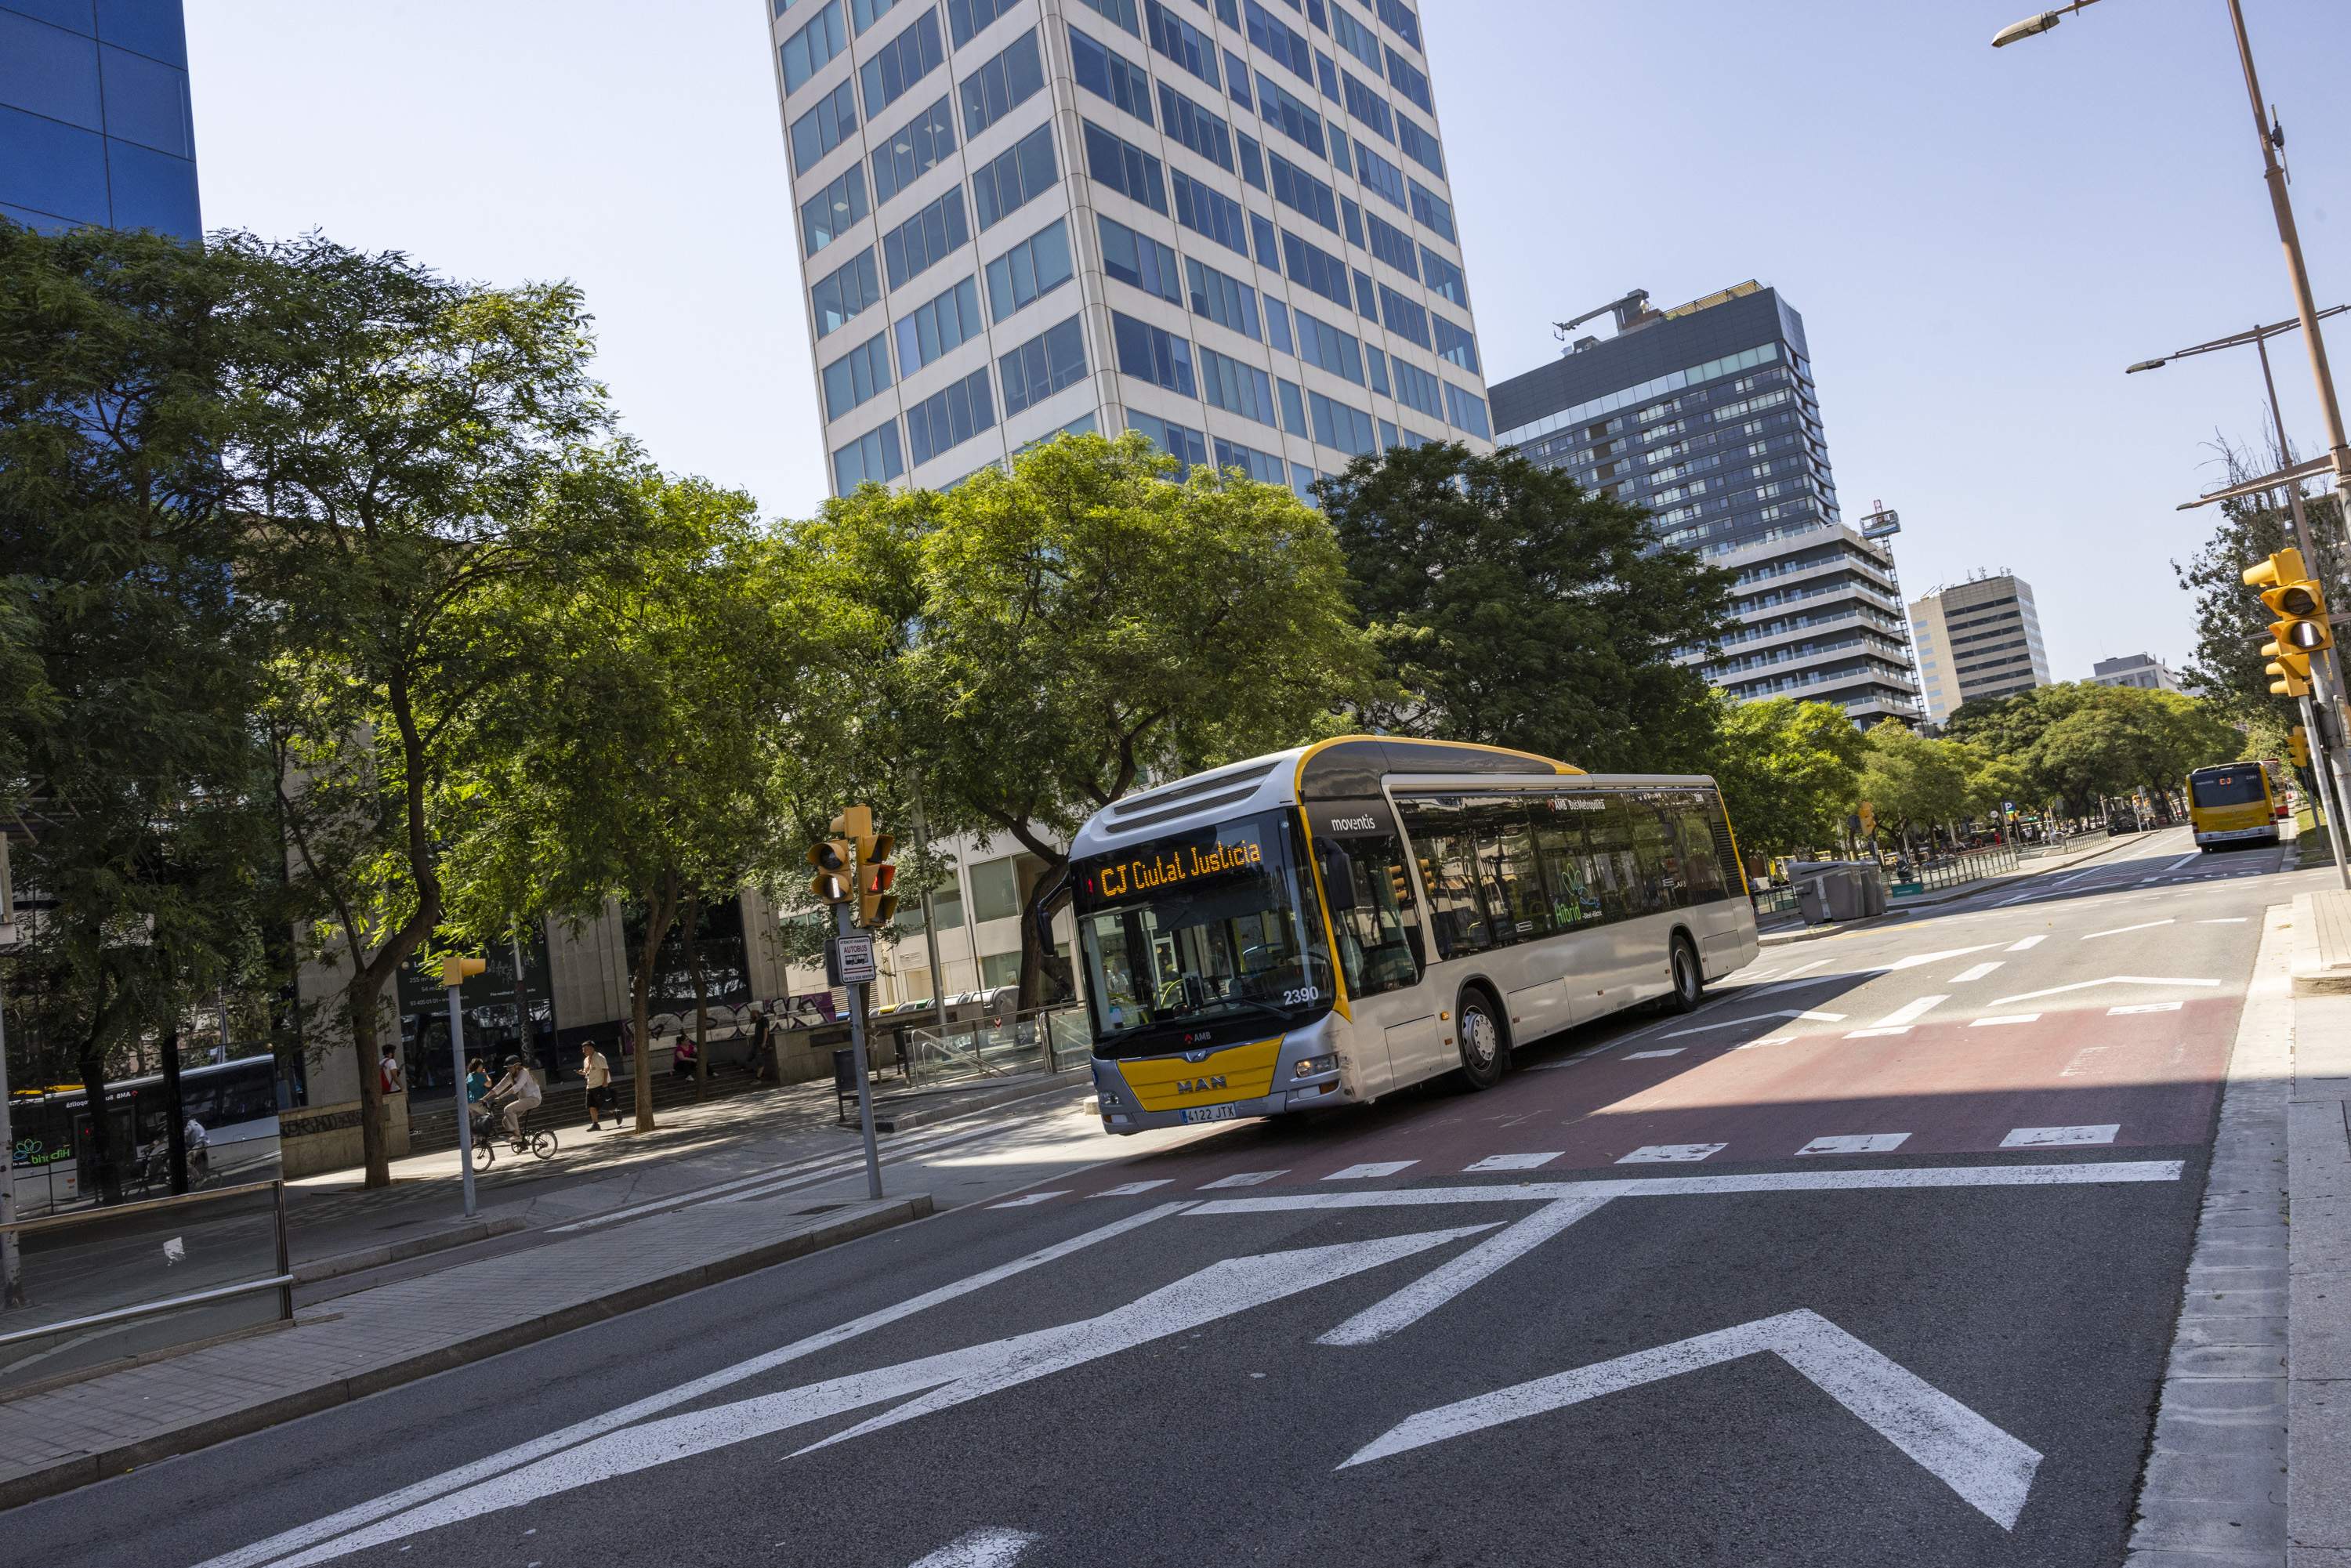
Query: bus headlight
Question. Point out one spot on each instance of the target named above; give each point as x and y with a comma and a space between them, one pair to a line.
1314, 1066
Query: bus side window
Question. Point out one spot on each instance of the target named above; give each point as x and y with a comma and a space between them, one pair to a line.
1702, 870
1508, 875
1608, 837
1559, 848
1379, 937
1658, 855
1448, 866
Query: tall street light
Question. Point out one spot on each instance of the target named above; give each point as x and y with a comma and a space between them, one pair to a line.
2334, 786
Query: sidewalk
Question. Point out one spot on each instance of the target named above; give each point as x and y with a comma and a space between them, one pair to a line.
2318, 1313
1784, 928
370, 1340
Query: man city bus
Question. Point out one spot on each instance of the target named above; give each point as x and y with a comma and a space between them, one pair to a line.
1330, 924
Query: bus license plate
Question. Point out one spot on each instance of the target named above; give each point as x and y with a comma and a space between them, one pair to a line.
1212, 1114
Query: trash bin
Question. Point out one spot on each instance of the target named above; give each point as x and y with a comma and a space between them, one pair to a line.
1872, 888
1812, 899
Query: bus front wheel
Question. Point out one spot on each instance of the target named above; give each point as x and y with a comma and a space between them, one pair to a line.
1689, 979
1480, 1035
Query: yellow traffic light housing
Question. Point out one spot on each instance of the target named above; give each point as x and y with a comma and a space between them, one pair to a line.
876, 904
455, 971
2297, 746
832, 858
2294, 596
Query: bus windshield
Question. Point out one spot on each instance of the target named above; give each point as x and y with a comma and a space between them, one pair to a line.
1189, 938
2233, 786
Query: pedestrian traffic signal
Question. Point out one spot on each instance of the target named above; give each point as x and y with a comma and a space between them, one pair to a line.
455, 971
2297, 746
832, 858
876, 902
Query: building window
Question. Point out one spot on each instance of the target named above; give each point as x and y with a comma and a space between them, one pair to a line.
1301, 192
1467, 411
1408, 79
1366, 108
1109, 75
1417, 389
1227, 301
1140, 261
1268, 33
1263, 467
917, 147
1337, 425
1315, 268
1002, 85
940, 324
1120, 13
1382, 178
951, 417
1354, 37
902, 62
1293, 116
1181, 42
1404, 317
840, 295
928, 239
1124, 168
814, 47
1205, 210
1153, 354
966, 19
1052, 359
863, 13
1400, 20
1229, 384
1434, 211
1323, 345
1015, 177
1181, 442
1444, 277
1419, 145
1029, 270
857, 376
833, 121
1394, 247
826, 215
1456, 345
871, 456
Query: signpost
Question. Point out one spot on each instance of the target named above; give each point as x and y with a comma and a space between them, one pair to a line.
850, 957
454, 971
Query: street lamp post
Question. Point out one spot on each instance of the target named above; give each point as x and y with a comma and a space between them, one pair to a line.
2334, 786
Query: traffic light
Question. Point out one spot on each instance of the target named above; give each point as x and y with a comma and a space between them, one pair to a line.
875, 878
2297, 746
455, 971
832, 857
2294, 596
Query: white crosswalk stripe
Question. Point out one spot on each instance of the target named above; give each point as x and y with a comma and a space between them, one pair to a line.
2054, 1137
1371, 1170
1856, 1143
1659, 1154
1242, 1178
1515, 1161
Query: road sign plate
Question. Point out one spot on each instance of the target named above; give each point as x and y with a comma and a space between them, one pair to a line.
855, 959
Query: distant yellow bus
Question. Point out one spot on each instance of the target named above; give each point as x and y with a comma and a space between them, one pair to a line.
2234, 803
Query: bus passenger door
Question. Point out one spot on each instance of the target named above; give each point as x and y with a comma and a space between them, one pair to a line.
1380, 948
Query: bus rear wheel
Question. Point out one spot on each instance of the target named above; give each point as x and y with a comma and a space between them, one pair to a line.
1689, 979
1480, 1036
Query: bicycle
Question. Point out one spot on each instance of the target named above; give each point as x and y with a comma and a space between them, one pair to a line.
487, 1136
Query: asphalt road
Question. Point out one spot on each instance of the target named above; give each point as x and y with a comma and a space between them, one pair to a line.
1607, 1313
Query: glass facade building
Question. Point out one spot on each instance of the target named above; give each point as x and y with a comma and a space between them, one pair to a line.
95, 122
1706, 416
1979, 639
1223, 223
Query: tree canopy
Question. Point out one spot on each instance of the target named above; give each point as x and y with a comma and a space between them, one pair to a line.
1790, 771
1510, 606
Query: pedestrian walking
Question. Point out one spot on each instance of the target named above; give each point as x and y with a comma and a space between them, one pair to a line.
388, 1070
760, 1025
598, 1073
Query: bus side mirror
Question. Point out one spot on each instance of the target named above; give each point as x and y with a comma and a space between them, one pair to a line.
1339, 880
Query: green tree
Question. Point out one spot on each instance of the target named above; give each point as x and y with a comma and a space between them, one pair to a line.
130, 661
1512, 607
1789, 771
1086, 624
1912, 780
653, 762
422, 450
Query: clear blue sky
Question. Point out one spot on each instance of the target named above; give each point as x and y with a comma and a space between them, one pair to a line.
1979, 242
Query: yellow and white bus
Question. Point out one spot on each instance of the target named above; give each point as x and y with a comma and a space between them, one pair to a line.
2235, 802
1330, 924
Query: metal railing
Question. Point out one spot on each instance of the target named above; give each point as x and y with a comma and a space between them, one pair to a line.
1907, 875
1042, 1040
107, 1284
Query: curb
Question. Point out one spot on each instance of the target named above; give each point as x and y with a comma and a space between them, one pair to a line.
84, 1469
336, 1264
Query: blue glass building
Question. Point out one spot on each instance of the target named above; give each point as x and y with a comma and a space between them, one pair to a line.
1706, 416
95, 121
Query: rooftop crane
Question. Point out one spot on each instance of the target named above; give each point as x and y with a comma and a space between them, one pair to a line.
1633, 310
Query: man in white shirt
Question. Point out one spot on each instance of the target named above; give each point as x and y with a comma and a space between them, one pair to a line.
597, 1074
520, 1090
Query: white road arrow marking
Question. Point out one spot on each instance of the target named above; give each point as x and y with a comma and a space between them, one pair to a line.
1992, 1470
2054, 1137
2142, 926
1449, 1278
1666, 1153
2094, 985
1856, 1143
450, 1481
982, 1549
941, 1381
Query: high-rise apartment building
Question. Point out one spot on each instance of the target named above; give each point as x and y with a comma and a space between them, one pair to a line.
1223, 223
95, 123
1706, 416
1977, 639
2145, 671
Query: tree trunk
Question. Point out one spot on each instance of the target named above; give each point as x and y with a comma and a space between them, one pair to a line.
176, 1134
106, 1171
360, 998
661, 906
690, 934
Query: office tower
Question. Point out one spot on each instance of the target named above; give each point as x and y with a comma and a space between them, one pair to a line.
1706, 414
1226, 224
1980, 638
2145, 671
95, 126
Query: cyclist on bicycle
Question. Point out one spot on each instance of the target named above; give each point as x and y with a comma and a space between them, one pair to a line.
519, 1089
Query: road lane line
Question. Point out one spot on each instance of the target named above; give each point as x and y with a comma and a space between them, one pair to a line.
2183, 859
2002, 1019
1371, 1171
1242, 1178
1975, 972
1755, 1018
982, 1549
1130, 1189
1774, 1040
1449, 1280
1803, 969
2225, 920
2029, 943
1645, 1055
1661, 1154
1027, 1198
2092, 985
2144, 1008
1911, 1011
1856, 1143
1515, 1161
2056, 1137
2142, 926
1878, 1033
